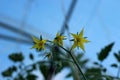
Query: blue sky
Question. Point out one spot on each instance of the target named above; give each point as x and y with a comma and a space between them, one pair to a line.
100, 19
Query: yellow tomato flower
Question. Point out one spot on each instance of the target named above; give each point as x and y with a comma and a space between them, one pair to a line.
39, 44
79, 40
59, 39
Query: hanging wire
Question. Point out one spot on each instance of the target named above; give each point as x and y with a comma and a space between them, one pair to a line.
26, 13
96, 12
104, 26
67, 17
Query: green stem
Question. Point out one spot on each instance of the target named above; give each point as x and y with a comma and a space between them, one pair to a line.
75, 61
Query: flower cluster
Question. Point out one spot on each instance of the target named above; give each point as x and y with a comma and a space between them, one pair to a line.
39, 44
78, 39
59, 39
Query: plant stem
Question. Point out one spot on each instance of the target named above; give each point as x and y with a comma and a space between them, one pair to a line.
75, 61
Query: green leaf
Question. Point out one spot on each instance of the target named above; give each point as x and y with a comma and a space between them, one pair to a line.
31, 56
108, 77
104, 69
31, 77
48, 55
96, 63
34, 66
14, 68
61, 65
83, 62
79, 56
114, 65
44, 69
31, 68
117, 56
102, 55
8, 72
94, 74
69, 75
16, 57
19, 77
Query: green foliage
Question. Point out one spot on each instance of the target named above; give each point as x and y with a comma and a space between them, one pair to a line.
114, 65
94, 74
31, 56
102, 55
19, 77
117, 56
68, 75
44, 69
9, 71
57, 61
96, 63
31, 77
16, 57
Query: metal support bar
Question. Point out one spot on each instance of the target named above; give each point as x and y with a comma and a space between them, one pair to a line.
17, 31
68, 16
14, 39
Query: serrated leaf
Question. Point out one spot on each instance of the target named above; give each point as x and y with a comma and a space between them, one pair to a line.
102, 55
16, 57
117, 56
114, 65
31, 77
93, 71
8, 72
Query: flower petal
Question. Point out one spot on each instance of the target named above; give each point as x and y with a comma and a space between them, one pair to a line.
74, 35
74, 46
86, 41
34, 46
81, 33
36, 40
44, 41
81, 45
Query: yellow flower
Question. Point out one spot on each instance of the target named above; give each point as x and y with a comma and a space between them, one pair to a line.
59, 39
39, 44
79, 40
